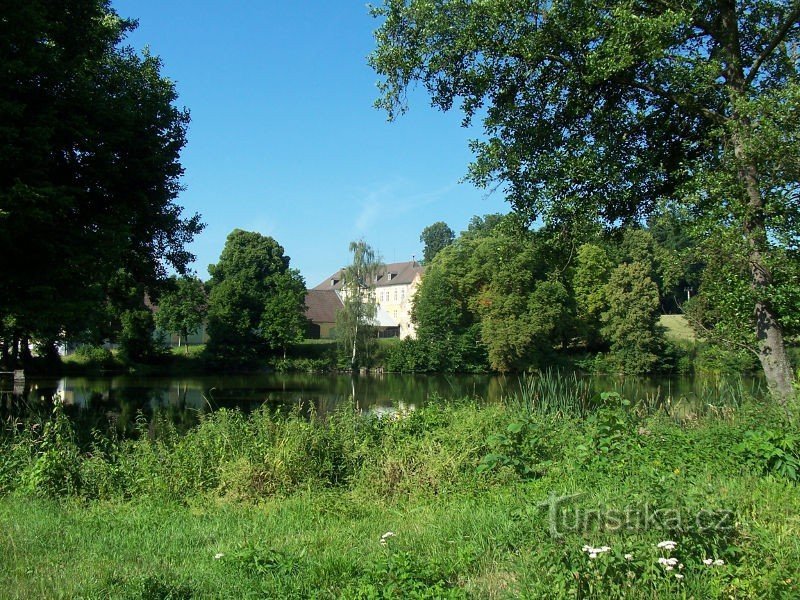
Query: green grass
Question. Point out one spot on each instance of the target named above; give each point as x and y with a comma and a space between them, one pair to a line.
678, 328
296, 507
195, 350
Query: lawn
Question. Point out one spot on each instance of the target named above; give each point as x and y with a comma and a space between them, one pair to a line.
678, 328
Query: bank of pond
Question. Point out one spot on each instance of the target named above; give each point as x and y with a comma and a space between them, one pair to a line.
549, 489
99, 398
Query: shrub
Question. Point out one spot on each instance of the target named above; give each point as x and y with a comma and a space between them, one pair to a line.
772, 451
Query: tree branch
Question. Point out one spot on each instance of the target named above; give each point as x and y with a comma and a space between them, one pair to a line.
791, 20
711, 334
677, 100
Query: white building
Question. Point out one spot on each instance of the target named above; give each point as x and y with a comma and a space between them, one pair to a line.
395, 287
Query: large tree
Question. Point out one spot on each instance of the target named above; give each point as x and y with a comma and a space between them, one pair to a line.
90, 141
255, 300
605, 110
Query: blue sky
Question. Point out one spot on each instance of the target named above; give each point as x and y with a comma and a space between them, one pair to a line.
285, 140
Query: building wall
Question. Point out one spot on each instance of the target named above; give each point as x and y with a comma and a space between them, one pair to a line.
396, 300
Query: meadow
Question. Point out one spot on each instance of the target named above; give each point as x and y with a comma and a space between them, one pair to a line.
549, 494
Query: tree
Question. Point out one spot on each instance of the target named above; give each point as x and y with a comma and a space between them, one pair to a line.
136, 337
492, 297
592, 270
253, 295
90, 143
183, 308
356, 320
606, 110
436, 237
630, 321
283, 321
448, 330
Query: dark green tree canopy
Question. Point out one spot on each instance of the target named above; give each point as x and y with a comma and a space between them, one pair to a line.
436, 237
603, 107
256, 302
90, 142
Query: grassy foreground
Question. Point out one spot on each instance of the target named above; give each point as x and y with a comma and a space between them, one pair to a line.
529, 499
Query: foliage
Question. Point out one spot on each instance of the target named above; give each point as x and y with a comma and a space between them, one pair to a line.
435, 237
772, 451
55, 468
490, 293
553, 394
631, 320
283, 321
91, 169
255, 301
137, 339
608, 112
182, 309
355, 322
523, 447
592, 270
95, 356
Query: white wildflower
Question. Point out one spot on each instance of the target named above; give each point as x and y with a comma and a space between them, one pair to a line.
719, 562
678, 576
667, 545
218, 555
629, 557
595, 552
385, 537
708, 561
668, 563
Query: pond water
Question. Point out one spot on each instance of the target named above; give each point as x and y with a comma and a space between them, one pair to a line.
98, 400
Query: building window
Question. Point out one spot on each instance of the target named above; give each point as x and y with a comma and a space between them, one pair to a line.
395, 295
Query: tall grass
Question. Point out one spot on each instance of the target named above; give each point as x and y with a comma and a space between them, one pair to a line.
553, 393
292, 505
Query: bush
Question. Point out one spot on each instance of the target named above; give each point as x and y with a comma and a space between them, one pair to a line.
95, 356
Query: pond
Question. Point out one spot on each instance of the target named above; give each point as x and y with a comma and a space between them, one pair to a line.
97, 400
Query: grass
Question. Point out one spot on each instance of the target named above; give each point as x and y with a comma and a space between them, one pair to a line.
278, 506
678, 328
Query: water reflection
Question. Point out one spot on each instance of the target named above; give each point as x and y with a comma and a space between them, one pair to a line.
96, 401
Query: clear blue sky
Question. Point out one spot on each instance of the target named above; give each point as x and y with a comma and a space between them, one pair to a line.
285, 140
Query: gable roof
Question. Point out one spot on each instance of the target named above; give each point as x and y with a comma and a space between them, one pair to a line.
400, 273
322, 305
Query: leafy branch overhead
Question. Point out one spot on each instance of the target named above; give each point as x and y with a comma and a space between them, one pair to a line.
607, 111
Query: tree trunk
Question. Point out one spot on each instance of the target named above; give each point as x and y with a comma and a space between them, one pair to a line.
353, 357
25, 350
771, 345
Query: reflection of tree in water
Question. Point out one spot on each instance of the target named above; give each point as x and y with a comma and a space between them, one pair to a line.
107, 404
